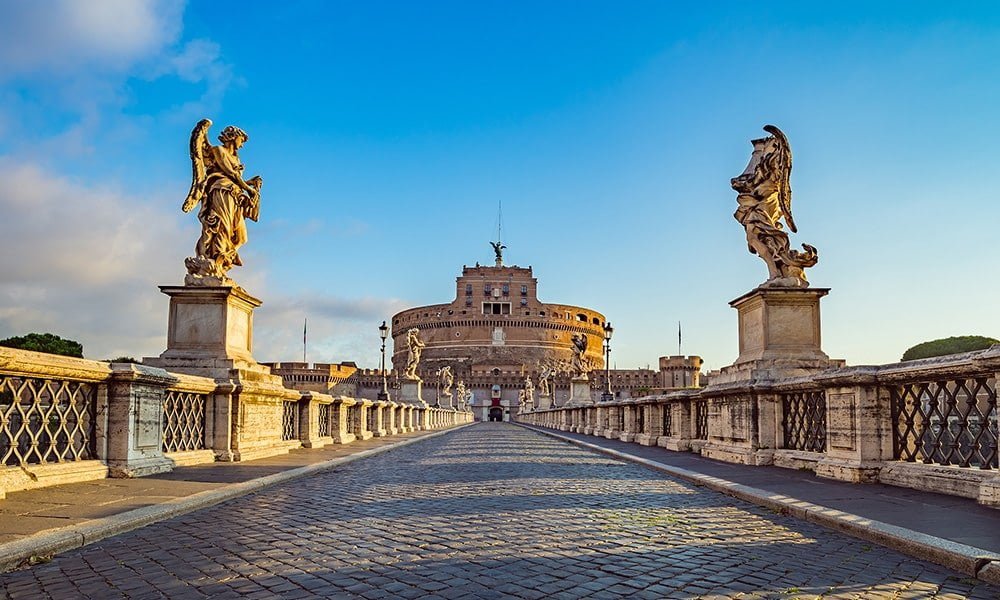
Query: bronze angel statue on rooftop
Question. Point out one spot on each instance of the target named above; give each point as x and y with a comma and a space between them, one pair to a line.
764, 195
226, 201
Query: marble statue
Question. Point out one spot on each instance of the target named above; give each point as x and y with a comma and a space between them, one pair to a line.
543, 381
764, 195
446, 379
414, 346
226, 201
529, 391
460, 393
581, 366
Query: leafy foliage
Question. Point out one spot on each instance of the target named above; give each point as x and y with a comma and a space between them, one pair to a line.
45, 342
951, 345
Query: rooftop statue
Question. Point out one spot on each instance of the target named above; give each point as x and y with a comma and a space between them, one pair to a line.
226, 200
414, 346
498, 249
764, 195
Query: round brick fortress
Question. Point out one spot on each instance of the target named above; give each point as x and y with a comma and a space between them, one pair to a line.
496, 323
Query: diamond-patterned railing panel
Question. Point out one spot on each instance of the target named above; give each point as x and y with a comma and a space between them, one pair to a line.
324, 420
667, 418
701, 420
803, 420
183, 421
290, 421
46, 420
946, 422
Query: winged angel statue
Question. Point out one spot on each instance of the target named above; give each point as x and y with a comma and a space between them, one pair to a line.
764, 195
226, 200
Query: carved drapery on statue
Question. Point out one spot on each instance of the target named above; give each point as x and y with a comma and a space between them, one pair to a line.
226, 201
414, 347
764, 195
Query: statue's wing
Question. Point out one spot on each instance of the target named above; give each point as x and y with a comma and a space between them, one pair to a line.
785, 175
199, 172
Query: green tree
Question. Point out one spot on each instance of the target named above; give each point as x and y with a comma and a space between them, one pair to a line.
44, 342
951, 345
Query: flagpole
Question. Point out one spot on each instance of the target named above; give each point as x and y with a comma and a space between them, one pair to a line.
305, 323
679, 339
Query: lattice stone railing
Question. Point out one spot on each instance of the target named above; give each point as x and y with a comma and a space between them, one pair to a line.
290, 421
46, 420
803, 420
324, 420
184, 421
701, 420
946, 422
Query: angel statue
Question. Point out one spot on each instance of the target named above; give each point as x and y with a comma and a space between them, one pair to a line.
226, 200
414, 346
764, 195
529, 391
446, 378
581, 366
460, 393
543, 381
498, 249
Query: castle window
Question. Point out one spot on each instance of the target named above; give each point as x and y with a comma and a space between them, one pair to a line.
487, 288
597, 321
524, 301
506, 289
468, 289
581, 317
524, 290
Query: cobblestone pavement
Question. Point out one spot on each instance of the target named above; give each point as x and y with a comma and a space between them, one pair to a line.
490, 511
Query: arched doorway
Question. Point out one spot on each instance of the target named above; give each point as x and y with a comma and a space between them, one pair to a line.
496, 413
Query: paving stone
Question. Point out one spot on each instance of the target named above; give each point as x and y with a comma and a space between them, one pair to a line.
490, 511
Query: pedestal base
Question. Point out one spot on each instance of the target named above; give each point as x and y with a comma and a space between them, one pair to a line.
779, 335
411, 392
579, 392
209, 332
544, 402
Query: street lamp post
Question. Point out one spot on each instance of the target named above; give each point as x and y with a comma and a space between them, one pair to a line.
383, 332
607, 396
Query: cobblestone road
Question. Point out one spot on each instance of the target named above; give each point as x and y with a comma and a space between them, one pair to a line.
491, 511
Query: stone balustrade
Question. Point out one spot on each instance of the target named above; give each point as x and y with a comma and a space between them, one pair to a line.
927, 424
67, 419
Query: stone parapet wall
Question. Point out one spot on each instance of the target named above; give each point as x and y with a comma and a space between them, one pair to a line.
65, 419
927, 424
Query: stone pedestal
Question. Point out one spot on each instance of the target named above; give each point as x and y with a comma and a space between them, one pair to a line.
411, 392
579, 392
209, 331
444, 401
779, 335
544, 402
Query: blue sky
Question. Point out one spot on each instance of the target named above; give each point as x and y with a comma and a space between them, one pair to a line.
388, 132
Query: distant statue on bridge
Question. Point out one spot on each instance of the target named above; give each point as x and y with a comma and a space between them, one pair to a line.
529, 391
414, 347
460, 394
226, 201
581, 366
446, 379
543, 381
764, 195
